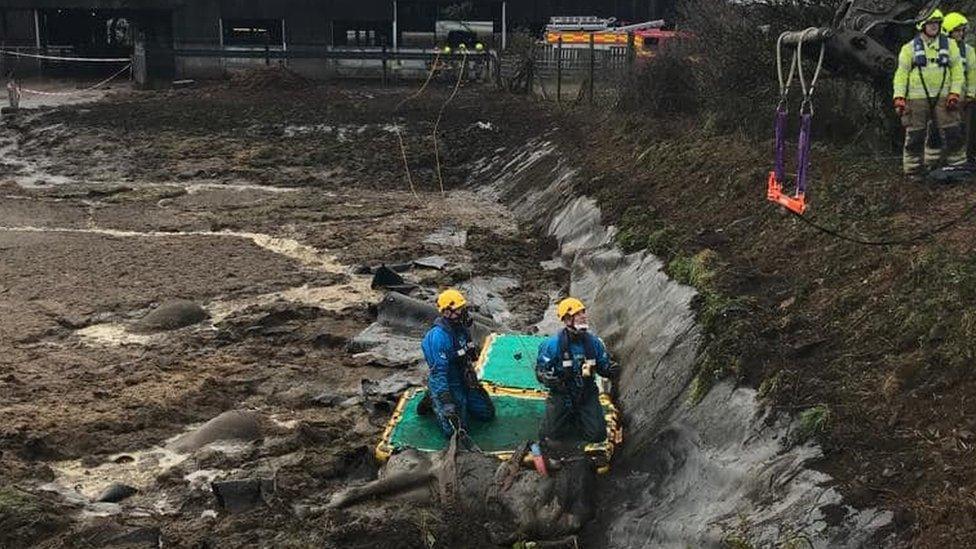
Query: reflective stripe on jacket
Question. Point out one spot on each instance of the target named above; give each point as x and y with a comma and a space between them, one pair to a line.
940, 75
968, 55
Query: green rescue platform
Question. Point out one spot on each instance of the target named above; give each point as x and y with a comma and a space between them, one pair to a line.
508, 360
507, 371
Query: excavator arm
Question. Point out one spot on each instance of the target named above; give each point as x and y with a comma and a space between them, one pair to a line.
865, 37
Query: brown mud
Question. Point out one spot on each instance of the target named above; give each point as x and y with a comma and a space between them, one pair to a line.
257, 204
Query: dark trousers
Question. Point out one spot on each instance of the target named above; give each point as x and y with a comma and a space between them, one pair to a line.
472, 403
566, 420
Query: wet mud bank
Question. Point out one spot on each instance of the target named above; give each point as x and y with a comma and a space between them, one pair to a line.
723, 471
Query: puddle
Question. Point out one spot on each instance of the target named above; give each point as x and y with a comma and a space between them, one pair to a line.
342, 133
114, 334
137, 469
331, 298
287, 247
194, 188
25, 175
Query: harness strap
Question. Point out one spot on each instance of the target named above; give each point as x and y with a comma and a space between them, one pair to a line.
919, 59
589, 350
460, 350
803, 153
780, 139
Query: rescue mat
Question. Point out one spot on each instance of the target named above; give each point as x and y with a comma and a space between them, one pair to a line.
508, 360
518, 409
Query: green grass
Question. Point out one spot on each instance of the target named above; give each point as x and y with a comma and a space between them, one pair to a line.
15, 502
727, 334
813, 422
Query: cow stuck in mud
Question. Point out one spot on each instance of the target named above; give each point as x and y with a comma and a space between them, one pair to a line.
514, 503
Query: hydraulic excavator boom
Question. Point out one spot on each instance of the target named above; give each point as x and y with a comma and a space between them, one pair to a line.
865, 36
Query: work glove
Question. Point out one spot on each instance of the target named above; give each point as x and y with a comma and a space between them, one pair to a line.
901, 106
473, 353
552, 380
449, 409
613, 370
952, 101
471, 378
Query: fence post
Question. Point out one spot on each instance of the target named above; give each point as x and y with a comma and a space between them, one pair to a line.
559, 70
592, 67
631, 51
384, 64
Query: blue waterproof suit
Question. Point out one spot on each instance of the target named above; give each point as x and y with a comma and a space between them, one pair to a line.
452, 384
573, 410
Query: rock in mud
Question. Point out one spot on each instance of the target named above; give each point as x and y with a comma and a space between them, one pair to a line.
432, 262
387, 278
392, 386
230, 425
115, 493
329, 398
170, 316
74, 322
240, 495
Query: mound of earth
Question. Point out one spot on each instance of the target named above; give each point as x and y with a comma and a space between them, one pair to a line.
170, 316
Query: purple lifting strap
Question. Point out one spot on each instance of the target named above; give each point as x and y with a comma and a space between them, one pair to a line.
803, 153
780, 125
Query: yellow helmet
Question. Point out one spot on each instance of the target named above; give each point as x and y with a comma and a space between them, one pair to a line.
447, 49
450, 299
479, 46
953, 21
935, 16
569, 307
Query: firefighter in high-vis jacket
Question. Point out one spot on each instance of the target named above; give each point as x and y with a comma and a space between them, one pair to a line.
928, 87
956, 25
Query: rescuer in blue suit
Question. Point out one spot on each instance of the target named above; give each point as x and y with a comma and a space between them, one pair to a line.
452, 384
567, 364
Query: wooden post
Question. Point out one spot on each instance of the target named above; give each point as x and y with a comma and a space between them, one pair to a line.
631, 51
559, 70
592, 67
13, 94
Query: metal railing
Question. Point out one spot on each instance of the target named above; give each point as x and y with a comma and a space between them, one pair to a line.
553, 67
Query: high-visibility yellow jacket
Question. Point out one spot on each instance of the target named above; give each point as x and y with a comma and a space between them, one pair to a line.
968, 54
929, 68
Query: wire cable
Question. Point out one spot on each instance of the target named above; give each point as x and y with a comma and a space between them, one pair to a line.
74, 92
440, 114
924, 235
399, 134
72, 59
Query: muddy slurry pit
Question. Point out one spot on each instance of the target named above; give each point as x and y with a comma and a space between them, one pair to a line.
195, 351
182, 275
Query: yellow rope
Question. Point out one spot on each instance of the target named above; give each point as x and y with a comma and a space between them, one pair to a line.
403, 148
457, 86
430, 75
